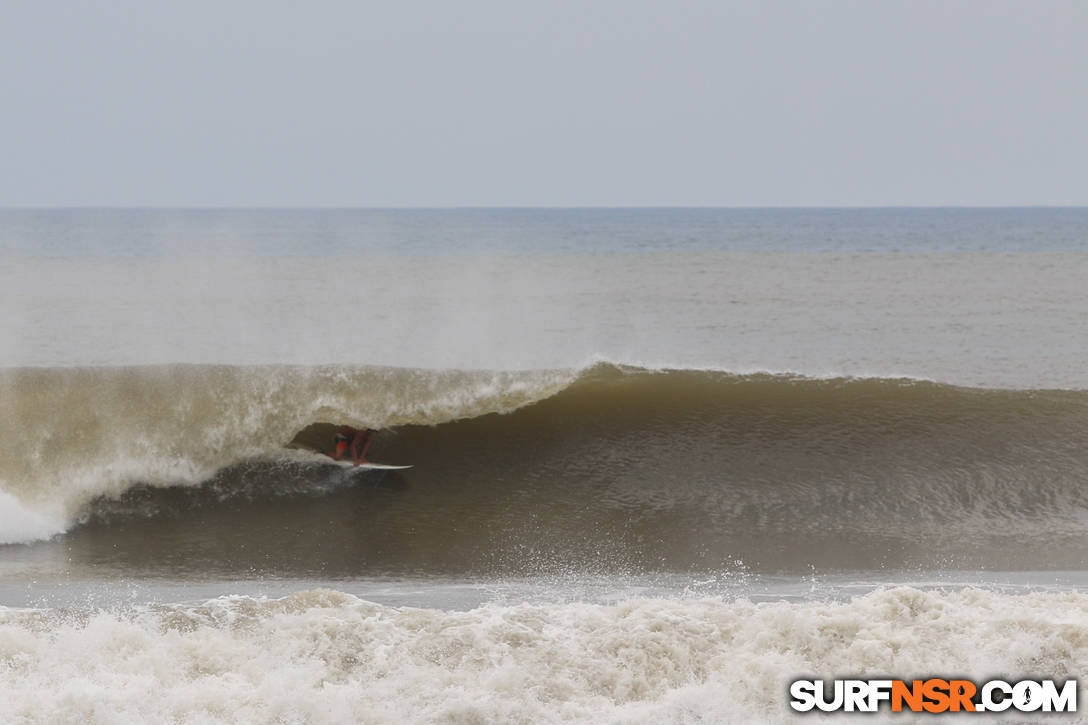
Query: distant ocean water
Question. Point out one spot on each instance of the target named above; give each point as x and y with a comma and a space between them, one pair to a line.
664, 460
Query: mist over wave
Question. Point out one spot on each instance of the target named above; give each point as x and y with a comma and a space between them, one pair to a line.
992, 320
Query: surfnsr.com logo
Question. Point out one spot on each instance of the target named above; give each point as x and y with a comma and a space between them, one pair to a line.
933, 695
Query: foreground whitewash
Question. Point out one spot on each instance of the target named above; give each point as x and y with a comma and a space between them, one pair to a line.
326, 657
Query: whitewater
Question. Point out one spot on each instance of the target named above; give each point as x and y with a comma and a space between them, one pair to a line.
664, 461
326, 657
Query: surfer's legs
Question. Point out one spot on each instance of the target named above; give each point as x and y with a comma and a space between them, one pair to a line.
361, 439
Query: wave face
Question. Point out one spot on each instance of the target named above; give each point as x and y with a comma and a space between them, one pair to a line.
322, 656
610, 468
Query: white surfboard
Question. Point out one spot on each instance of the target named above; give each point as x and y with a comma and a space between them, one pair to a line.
366, 466
306, 456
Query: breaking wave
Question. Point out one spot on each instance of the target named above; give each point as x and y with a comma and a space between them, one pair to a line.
645, 468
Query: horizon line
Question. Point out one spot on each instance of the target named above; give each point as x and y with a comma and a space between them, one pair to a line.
487, 207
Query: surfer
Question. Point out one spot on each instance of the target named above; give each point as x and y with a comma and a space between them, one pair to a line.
357, 439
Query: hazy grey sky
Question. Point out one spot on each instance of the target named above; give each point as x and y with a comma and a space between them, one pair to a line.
542, 102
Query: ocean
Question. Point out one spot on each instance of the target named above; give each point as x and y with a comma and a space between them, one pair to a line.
664, 461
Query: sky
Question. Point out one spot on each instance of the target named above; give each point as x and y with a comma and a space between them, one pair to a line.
543, 103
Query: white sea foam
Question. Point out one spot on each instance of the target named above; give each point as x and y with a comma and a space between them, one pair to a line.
20, 524
326, 657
